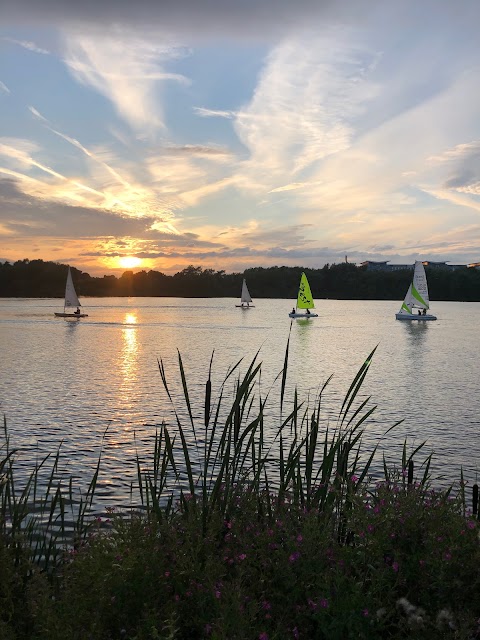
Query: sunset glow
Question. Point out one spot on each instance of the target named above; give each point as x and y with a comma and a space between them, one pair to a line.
129, 262
314, 135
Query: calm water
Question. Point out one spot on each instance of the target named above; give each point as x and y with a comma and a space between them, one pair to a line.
69, 380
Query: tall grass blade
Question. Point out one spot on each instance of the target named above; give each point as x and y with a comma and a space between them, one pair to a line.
186, 395
208, 393
355, 386
284, 370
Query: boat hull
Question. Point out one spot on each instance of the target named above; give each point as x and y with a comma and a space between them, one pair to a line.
420, 318
71, 315
245, 306
303, 315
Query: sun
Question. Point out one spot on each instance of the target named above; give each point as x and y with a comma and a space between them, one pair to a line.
129, 262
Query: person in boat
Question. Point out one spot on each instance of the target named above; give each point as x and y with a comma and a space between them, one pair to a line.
293, 310
424, 312
308, 312
419, 312
77, 312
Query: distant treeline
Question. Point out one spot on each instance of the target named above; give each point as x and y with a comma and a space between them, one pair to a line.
40, 279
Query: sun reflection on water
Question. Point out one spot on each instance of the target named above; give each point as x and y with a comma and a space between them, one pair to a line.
129, 357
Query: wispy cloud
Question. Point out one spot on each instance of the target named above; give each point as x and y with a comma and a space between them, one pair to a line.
293, 186
212, 113
36, 114
211, 152
27, 44
132, 86
3, 87
91, 155
309, 94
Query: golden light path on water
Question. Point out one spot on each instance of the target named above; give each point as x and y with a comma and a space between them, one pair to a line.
129, 357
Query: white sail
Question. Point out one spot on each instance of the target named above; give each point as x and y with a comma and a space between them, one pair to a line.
416, 297
408, 301
246, 298
419, 287
71, 298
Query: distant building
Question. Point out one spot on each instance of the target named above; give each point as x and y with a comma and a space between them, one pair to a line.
430, 264
435, 265
384, 266
442, 265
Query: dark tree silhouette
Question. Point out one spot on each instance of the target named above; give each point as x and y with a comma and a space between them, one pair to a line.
37, 279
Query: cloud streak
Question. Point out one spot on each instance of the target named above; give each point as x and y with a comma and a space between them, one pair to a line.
27, 44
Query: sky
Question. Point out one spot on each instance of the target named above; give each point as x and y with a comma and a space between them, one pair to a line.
228, 135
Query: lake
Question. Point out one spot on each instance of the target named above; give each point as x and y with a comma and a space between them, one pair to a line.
70, 381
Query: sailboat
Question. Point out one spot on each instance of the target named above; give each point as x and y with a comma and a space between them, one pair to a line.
245, 298
304, 301
416, 297
71, 300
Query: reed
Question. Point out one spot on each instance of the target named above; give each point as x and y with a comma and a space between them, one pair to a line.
229, 450
33, 512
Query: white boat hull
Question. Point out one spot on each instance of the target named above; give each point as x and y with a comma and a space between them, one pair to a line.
71, 315
303, 315
245, 306
412, 316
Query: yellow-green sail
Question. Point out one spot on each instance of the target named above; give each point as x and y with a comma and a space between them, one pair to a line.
305, 299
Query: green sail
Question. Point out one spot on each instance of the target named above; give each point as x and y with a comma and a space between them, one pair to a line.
418, 297
305, 299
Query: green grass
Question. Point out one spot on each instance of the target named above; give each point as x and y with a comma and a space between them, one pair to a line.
243, 535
